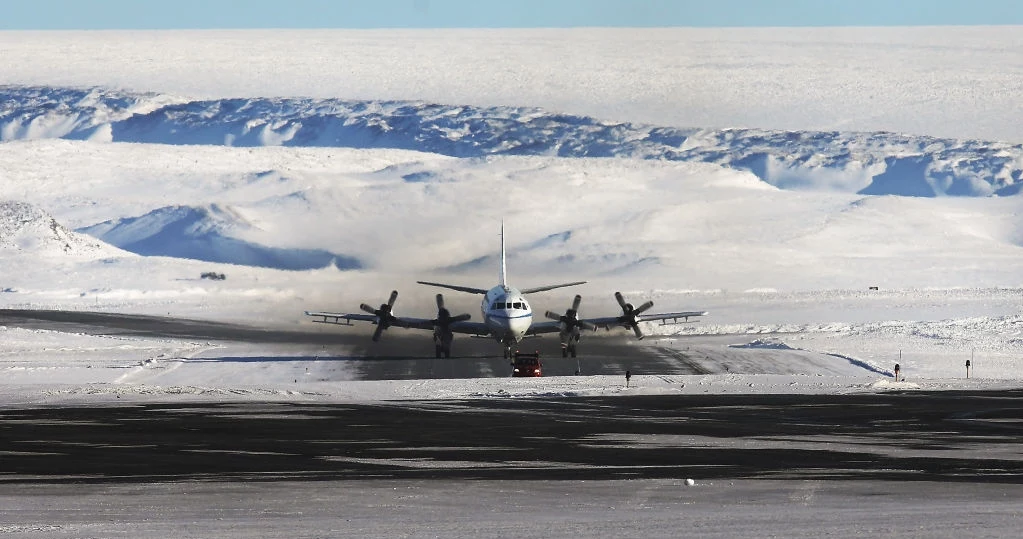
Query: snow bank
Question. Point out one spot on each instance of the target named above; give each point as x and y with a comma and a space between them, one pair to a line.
485, 388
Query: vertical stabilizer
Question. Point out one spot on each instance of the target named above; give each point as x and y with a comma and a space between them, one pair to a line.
504, 270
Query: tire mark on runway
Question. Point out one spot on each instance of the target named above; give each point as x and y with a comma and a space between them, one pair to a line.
685, 364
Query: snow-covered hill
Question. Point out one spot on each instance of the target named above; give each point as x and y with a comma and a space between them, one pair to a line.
864, 163
26, 230
649, 224
209, 233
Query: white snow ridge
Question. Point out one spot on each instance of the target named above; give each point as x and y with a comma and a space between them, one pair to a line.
853, 162
26, 229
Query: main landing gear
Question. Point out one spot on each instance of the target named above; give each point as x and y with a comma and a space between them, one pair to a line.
442, 344
569, 343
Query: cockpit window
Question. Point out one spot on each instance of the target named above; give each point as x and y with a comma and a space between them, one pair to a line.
517, 305
499, 305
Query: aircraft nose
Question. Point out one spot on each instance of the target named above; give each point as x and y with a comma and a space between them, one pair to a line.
521, 325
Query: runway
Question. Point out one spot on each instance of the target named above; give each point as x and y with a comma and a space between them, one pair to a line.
945, 436
401, 353
942, 435
889, 463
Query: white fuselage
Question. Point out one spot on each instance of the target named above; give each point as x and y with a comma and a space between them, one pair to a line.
507, 313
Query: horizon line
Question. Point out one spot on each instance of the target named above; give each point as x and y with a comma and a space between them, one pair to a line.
483, 27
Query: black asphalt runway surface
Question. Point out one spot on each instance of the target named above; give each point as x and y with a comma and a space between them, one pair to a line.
401, 353
947, 436
942, 436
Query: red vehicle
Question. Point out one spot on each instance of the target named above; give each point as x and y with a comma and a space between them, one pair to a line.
527, 364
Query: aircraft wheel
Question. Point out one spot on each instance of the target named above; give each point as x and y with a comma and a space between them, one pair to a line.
571, 350
439, 351
564, 351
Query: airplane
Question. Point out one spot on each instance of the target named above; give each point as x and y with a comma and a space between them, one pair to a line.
507, 316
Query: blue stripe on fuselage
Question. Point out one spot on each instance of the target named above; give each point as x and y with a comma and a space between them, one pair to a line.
506, 317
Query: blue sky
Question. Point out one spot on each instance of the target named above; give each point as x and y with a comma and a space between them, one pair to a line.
177, 14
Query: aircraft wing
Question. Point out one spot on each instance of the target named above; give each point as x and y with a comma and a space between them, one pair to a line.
539, 328
341, 319
674, 318
609, 322
345, 319
468, 289
549, 287
478, 329
465, 327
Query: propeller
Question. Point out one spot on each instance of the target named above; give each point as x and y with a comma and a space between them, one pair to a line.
570, 320
383, 314
444, 318
630, 314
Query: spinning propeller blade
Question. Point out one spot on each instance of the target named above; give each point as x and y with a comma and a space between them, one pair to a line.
630, 314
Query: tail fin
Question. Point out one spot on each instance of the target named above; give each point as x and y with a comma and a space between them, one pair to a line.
504, 271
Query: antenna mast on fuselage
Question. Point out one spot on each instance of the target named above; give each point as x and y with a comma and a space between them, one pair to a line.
504, 270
